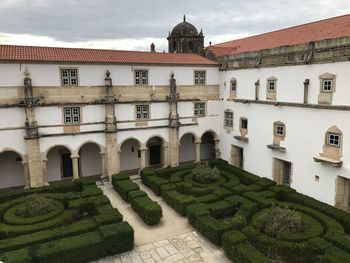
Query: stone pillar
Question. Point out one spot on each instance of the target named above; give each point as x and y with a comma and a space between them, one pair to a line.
75, 165
197, 151
26, 173
43, 164
165, 155
217, 148
32, 134
257, 86
174, 124
112, 166
103, 163
306, 90
143, 150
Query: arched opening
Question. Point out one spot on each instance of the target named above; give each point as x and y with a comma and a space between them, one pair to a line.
130, 156
11, 170
207, 146
59, 164
154, 154
90, 161
187, 148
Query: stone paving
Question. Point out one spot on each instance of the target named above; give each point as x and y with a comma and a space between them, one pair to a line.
173, 240
191, 247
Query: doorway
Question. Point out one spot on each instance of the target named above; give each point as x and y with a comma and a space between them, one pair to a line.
282, 172
237, 156
154, 154
67, 168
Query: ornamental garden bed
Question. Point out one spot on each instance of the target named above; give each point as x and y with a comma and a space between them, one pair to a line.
252, 218
65, 222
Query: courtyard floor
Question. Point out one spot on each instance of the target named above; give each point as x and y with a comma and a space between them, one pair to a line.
173, 240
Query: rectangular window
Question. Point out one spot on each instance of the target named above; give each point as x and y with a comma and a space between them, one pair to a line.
228, 119
199, 77
287, 171
141, 77
199, 109
71, 115
271, 85
233, 85
69, 77
244, 124
280, 130
142, 112
327, 85
334, 139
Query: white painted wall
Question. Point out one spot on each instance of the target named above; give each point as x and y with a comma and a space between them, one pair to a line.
11, 170
90, 160
92, 75
187, 148
129, 159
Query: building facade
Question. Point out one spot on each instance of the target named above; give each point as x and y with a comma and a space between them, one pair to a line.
276, 108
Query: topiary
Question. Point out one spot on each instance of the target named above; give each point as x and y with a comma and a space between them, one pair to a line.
279, 220
34, 205
203, 173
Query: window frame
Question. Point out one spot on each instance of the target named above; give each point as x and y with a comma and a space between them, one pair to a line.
228, 121
269, 82
245, 120
280, 127
200, 80
197, 112
233, 81
141, 78
75, 118
69, 78
329, 87
329, 134
141, 114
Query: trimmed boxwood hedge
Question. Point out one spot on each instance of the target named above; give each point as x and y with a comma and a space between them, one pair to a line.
148, 210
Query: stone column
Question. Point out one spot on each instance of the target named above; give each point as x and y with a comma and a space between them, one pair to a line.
112, 165
43, 164
75, 165
217, 148
32, 134
306, 90
174, 124
143, 150
198, 150
165, 155
257, 86
26, 173
103, 163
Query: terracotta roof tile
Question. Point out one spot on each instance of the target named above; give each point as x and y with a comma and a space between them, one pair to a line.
324, 29
79, 55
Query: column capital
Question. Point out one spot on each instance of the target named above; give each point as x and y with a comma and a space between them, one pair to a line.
197, 141
74, 156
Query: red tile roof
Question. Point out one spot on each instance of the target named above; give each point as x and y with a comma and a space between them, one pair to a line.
11, 53
319, 30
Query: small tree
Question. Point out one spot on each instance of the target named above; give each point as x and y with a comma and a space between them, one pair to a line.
203, 173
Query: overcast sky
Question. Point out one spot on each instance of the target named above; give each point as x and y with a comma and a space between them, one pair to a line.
134, 24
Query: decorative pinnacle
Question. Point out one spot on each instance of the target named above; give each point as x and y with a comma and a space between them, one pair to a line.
108, 73
184, 18
26, 72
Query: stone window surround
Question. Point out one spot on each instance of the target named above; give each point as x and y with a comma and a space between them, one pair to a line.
279, 130
339, 139
69, 68
225, 119
233, 92
205, 77
140, 70
149, 111
271, 94
277, 138
326, 77
205, 109
72, 123
241, 120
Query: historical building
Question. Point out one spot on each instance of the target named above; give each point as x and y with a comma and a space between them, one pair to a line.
184, 38
274, 104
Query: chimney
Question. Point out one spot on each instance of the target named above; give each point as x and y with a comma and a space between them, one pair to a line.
153, 48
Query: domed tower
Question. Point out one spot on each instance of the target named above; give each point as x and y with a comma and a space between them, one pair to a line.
184, 38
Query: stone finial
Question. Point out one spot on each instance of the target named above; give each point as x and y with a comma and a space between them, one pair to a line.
26, 73
153, 47
108, 73
172, 75
184, 18
209, 43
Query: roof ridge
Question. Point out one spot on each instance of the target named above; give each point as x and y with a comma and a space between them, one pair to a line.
282, 29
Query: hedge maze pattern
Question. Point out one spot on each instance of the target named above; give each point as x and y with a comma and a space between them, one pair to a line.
83, 226
227, 212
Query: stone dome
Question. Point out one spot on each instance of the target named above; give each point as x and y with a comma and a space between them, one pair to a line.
184, 29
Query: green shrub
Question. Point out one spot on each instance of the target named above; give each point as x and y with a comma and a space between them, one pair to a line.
124, 187
212, 228
220, 209
134, 194
118, 238
196, 210
90, 190
155, 183
149, 210
203, 173
239, 250
120, 177
16, 256
107, 215
178, 201
34, 205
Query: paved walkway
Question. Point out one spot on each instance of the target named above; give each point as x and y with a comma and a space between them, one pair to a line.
172, 240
